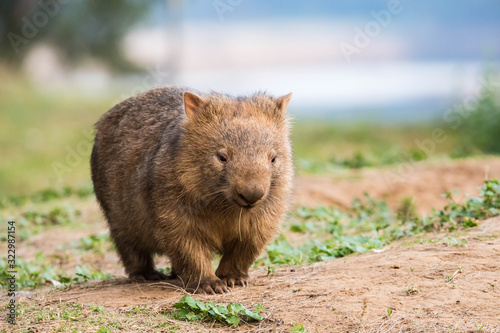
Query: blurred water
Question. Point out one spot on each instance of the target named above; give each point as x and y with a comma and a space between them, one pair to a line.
389, 91
337, 88
303, 55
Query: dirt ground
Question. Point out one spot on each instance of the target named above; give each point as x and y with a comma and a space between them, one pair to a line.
424, 182
430, 286
352, 294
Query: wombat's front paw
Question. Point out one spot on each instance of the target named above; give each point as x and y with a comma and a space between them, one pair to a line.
239, 280
213, 286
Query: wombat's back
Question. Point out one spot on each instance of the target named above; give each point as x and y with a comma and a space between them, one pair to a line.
127, 137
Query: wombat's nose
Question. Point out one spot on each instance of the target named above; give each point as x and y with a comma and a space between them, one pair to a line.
252, 193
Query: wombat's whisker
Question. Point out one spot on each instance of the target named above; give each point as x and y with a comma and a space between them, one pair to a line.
226, 212
210, 194
219, 199
219, 204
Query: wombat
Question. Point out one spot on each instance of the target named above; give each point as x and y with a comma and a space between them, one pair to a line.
187, 175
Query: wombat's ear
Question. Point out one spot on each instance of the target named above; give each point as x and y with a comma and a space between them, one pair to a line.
191, 103
282, 102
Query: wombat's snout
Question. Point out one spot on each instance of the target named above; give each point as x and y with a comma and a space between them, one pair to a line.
250, 193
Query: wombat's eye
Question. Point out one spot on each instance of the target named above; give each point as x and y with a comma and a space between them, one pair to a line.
222, 158
272, 156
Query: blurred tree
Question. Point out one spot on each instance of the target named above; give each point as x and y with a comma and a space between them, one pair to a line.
478, 120
76, 28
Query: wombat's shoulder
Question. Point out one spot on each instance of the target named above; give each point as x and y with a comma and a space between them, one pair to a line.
153, 106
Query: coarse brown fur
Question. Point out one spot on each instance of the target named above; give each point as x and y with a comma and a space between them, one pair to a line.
189, 175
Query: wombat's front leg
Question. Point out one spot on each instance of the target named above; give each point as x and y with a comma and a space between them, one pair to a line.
237, 258
191, 262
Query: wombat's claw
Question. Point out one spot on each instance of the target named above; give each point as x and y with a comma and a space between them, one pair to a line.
149, 276
213, 287
237, 281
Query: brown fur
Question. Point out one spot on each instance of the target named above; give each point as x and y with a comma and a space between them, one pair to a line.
164, 187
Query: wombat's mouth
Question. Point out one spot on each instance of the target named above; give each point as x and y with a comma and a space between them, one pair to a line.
242, 203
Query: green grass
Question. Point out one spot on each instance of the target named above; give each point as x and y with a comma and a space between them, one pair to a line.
369, 224
36, 273
327, 146
31, 220
40, 131
47, 195
72, 317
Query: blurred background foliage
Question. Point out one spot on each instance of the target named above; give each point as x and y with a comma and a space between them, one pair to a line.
480, 129
76, 29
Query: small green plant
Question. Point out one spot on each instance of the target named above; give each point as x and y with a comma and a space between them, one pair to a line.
191, 310
407, 210
389, 313
33, 274
486, 237
302, 227
96, 308
298, 328
469, 223
452, 241
103, 329
83, 274
448, 278
98, 243
32, 221
412, 290
475, 208
357, 161
412, 269
370, 224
